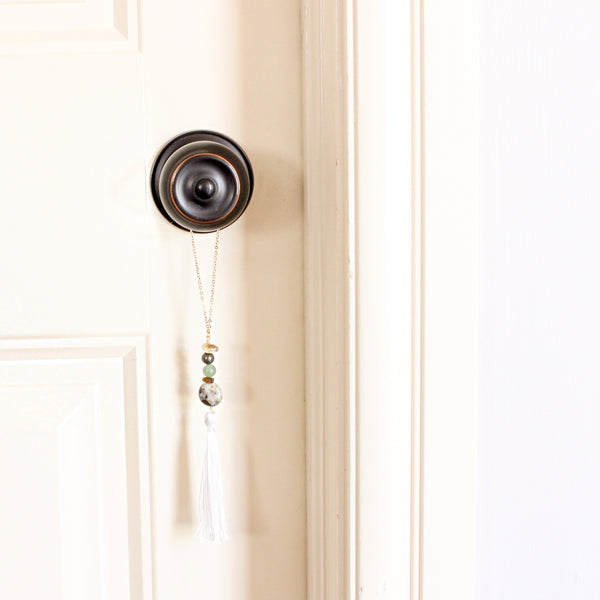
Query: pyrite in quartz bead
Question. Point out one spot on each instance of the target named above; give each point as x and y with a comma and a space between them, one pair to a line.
210, 394
209, 370
207, 358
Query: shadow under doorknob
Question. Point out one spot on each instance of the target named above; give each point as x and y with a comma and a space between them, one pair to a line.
202, 181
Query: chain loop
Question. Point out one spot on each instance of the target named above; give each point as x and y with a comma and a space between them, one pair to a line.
207, 315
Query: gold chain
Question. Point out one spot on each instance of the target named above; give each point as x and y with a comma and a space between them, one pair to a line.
207, 315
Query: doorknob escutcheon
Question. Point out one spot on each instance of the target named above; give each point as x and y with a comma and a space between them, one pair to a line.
202, 181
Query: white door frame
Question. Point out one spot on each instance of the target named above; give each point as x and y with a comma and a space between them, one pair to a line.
391, 456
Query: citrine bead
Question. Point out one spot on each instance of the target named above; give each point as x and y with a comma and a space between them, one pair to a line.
210, 348
209, 370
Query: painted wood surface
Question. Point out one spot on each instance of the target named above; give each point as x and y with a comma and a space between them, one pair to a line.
91, 90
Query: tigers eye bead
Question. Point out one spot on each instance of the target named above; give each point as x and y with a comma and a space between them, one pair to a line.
209, 370
207, 379
207, 358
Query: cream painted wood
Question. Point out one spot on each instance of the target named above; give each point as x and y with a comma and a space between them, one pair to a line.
75, 516
88, 255
417, 328
53, 26
398, 510
259, 308
450, 302
329, 313
384, 315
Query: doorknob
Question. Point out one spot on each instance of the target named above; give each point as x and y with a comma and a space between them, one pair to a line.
201, 181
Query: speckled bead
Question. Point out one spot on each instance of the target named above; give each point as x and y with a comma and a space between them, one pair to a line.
209, 370
210, 394
207, 358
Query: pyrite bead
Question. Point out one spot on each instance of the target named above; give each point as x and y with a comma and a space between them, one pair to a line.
209, 370
207, 358
210, 394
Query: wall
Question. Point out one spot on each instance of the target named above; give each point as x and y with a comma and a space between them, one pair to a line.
538, 477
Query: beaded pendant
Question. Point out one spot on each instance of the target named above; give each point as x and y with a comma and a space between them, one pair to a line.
213, 524
210, 393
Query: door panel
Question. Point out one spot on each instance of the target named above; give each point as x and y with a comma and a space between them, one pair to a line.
51, 26
74, 211
74, 453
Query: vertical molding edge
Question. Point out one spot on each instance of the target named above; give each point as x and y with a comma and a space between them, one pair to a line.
329, 297
417, 266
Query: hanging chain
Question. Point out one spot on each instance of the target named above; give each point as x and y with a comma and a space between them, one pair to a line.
207, 315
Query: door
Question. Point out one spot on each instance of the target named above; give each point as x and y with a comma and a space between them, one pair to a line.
101, 436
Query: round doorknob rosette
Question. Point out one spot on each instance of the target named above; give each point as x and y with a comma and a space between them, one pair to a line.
202, 181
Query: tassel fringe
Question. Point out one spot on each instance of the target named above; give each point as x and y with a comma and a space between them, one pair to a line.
213, 523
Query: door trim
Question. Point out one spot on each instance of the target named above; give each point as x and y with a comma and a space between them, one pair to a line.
436, 469
329, 297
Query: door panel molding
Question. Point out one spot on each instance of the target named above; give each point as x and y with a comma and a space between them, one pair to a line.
58, 26
82, 405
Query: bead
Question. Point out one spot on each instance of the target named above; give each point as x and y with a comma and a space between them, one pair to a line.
207, 379
207, 358
209, 370
210, 394
210, 347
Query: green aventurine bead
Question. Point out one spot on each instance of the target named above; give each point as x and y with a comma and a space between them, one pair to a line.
209, 370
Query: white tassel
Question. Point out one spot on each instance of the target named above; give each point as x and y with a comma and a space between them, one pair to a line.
213, 524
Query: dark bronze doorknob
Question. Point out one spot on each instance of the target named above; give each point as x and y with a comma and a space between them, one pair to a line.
202, 181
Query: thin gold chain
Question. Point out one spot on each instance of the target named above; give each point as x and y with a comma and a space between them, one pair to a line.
207, 315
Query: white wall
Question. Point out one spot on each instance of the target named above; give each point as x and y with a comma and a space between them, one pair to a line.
539, 410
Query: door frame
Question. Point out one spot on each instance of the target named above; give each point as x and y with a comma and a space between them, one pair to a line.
433, 537
329, 295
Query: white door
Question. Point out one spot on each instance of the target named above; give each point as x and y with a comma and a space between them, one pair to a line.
101, 433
